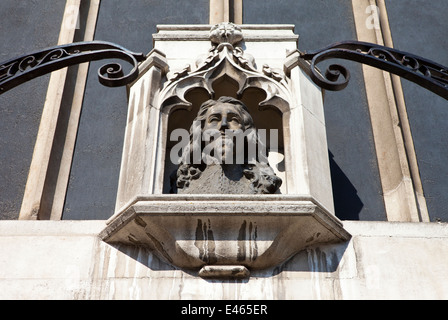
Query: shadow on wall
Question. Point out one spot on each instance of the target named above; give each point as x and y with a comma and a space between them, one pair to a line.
347, 204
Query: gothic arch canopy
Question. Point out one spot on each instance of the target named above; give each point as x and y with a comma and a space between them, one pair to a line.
226, 60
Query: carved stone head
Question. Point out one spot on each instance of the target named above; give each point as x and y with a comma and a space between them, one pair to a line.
223, 156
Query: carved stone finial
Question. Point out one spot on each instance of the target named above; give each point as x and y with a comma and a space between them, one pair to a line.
226, 32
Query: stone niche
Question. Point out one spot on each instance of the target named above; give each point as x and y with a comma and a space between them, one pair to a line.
247, 226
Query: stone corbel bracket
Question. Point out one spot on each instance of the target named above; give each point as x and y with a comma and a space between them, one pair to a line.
224, 235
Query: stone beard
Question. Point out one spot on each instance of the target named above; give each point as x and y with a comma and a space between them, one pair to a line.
224, 165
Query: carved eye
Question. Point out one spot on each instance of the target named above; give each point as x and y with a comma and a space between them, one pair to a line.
214, 118
234, 119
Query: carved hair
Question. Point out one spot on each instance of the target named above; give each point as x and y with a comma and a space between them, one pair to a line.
258, 172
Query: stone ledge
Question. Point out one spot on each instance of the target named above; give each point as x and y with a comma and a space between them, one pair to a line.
397, 229
256, 232
251, 32
94, 227
26, 228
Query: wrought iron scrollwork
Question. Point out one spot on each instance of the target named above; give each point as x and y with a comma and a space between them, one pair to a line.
421, 71
19, 70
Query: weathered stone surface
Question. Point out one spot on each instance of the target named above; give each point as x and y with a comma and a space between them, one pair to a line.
224, 272
66, 260
255, 231
229, 159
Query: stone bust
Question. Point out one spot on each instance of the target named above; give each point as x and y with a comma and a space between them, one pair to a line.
223, 154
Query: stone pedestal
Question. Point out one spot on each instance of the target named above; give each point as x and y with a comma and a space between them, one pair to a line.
253, 231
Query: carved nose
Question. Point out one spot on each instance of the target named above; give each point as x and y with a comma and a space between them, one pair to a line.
224, 123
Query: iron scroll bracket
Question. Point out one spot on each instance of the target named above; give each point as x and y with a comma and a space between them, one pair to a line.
421, 71
27, 67
424, 72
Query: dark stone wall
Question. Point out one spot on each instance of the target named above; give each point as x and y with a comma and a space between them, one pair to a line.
25, 27
421, 27
94, 178
354, 169
417, 26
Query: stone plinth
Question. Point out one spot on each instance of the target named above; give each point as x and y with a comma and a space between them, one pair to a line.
252, 231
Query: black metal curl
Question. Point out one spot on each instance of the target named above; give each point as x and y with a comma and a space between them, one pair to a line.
421, 71
19, 70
